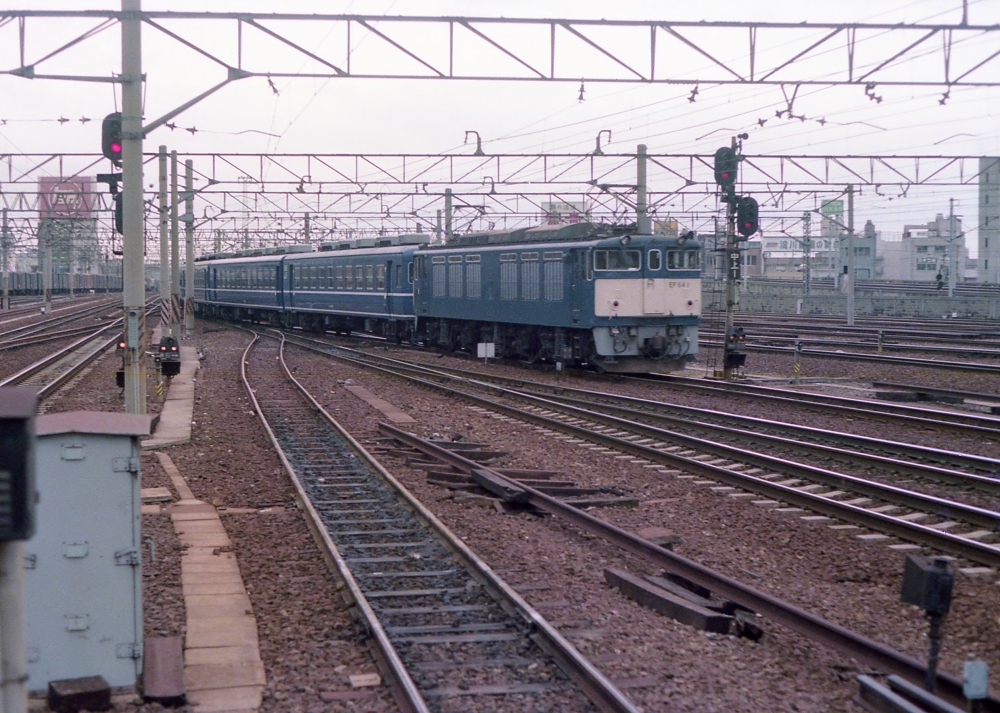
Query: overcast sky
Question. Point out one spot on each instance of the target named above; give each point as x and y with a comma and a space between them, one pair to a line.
355, 115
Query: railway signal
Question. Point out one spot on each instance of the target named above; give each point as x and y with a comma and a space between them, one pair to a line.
111, 138
726, 164
747, 216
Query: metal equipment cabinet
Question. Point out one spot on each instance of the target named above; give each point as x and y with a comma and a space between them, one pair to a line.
83, 580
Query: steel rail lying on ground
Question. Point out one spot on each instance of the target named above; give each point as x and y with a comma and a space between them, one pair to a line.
904, 529
799, 620
597, 687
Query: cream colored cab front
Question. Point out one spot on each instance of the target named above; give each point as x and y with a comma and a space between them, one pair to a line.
634, 297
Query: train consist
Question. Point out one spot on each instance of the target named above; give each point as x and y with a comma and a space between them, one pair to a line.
578, 294
30, 283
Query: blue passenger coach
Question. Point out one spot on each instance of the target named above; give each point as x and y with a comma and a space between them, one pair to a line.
356, 285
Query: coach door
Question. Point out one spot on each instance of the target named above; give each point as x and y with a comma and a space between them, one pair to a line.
213, 282
289, 290
654, 284
390, 284
279, 292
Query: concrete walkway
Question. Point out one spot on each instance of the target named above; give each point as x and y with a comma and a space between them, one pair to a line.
223, 671
174, 427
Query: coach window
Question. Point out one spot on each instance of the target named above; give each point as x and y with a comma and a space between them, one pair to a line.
369, 277
349, 277
359, 277
399, 276
380, 277
340, 277
654, 260
616, 260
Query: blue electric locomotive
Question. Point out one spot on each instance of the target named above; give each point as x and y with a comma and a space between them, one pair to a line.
619, 302
571, 293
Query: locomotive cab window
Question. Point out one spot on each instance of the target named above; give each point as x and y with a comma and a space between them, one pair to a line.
653, 260
616, 260
683, 259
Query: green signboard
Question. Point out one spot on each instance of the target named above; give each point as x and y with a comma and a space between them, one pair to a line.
832, 208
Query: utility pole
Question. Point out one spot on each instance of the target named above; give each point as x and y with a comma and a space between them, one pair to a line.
175, 253
5, 257
218, 240
642, 226
308, 231
189, 247
850, 255
952, 264
437, 229
807, 249
133, 277
164, 246
448, 214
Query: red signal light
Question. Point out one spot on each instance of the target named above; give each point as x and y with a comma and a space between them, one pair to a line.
116, 147
173, 349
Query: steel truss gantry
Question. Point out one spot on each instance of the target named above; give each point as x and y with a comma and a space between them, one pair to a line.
561, 50
291, 197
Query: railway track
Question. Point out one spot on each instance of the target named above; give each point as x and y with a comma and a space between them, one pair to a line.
982, 425
777, 480
51, 373
435, 612
32, 334
862, 649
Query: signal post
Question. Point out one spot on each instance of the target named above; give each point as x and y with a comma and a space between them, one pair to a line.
741, 222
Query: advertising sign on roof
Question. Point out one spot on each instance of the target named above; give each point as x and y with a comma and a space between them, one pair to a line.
61, 198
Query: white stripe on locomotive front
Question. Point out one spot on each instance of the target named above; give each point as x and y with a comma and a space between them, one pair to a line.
643, 297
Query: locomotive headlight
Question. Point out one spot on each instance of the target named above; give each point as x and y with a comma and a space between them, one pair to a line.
615, 331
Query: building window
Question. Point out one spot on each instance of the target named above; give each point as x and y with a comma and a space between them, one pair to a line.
921, 248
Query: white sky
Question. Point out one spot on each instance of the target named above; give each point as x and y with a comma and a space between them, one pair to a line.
324, 116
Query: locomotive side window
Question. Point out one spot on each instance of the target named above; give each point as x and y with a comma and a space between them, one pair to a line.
553, 276
530, 277
473, 277
616, 260
693, 259
653, 260
455, 279
508, 276
439, 276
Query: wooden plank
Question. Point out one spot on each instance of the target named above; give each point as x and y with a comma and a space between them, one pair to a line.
437, 476
603, 502
529, 473
163, 669
393, 413
667, 603
508, 492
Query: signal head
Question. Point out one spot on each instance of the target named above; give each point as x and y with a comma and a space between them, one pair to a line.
111, 138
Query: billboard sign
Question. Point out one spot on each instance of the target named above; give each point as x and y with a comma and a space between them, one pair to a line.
65, 198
